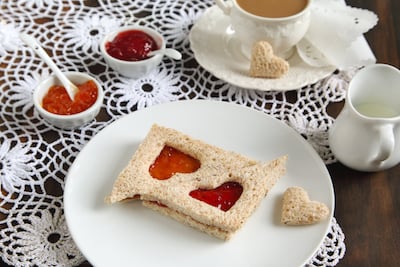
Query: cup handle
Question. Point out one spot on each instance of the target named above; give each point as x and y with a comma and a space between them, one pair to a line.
386, 148
224, 6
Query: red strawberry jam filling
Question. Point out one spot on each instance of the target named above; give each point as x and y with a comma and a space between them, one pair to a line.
222, 197
131, 45
171, 161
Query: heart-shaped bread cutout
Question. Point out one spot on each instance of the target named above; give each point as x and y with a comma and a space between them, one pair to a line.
222, 197
264, 64
171, 161
298, 209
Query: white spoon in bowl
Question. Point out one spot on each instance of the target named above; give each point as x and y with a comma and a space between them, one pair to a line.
34, 44
169, 52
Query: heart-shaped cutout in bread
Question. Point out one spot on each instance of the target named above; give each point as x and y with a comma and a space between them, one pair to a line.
222, 197
171, 161
264, 64
298, 209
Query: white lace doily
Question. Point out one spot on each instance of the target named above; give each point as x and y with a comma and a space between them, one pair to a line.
35, 156
334, 20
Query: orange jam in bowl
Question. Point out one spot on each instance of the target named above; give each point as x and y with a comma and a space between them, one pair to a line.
57, 100
53, 104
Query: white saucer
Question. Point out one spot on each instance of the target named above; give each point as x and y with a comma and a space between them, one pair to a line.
216, 49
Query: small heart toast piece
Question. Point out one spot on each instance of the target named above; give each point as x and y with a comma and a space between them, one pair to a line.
264, 64
298, 209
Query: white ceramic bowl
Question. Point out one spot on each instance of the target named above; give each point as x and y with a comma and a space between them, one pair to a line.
133, 69
67, 121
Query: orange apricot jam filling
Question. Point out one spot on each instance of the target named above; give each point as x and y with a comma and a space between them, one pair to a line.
171, 161
223, 197
58, 102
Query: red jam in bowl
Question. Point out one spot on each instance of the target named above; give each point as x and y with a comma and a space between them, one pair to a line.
131, 45
58, 102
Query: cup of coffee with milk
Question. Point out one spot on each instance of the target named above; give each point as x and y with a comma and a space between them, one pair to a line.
283, 23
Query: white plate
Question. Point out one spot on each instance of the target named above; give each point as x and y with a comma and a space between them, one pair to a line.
216, 49
131, 235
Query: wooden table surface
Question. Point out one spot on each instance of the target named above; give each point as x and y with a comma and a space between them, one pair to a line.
368, 204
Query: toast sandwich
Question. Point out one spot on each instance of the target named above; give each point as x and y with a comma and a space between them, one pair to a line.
198, 184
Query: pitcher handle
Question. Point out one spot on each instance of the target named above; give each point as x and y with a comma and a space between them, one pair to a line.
224, 6
386, 136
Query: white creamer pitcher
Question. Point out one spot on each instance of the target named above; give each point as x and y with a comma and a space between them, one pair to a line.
366, 134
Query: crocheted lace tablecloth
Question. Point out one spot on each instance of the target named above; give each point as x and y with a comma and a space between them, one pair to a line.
35, 156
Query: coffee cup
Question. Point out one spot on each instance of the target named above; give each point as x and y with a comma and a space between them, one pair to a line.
366, 133
282, 23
